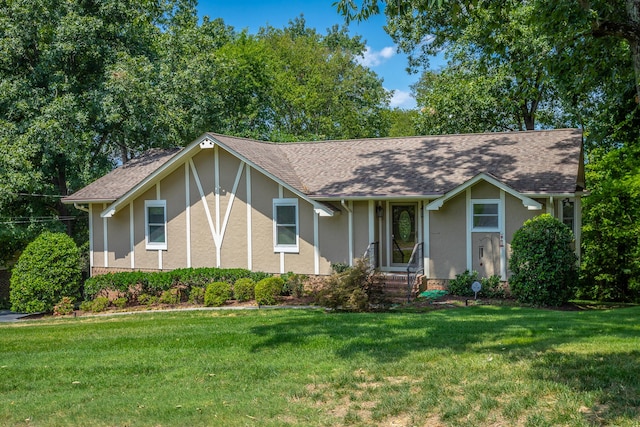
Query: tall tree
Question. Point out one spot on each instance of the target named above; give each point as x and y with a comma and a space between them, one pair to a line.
589, 56
75, 92
319, 89
87, 84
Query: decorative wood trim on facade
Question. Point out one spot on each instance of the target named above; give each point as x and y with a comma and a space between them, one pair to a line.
220, 193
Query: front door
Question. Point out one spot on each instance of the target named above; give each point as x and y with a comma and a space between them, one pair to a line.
403, 232
486, 253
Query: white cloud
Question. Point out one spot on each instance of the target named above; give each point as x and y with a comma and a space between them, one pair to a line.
372, 58
402, 99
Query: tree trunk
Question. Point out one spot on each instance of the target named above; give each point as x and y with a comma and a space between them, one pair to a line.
60, 181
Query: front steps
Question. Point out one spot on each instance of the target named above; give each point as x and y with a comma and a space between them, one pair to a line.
393, 288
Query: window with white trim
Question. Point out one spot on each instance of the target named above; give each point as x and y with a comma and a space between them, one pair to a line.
568, 208
285, 225
486, 215
155, 219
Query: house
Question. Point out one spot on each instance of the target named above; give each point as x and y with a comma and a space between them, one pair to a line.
222, 201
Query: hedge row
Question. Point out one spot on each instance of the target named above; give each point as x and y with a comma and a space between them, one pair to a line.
154, 283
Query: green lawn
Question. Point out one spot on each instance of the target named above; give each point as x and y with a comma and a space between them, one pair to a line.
469, 366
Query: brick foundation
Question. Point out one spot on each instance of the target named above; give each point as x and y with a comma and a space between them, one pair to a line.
96, 271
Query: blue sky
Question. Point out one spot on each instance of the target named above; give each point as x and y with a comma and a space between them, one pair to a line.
381, 55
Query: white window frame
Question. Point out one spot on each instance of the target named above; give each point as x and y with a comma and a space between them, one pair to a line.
486, 202
572, 218
292, 248
155, 246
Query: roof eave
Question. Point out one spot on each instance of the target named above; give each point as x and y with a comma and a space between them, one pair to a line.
72, 201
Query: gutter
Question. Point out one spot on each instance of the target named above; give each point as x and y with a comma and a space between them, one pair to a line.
80, 207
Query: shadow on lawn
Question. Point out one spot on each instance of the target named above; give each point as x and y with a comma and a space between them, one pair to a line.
388, 337
518, 334
614, 378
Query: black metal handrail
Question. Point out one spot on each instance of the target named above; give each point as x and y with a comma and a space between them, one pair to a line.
395, 243
414, 267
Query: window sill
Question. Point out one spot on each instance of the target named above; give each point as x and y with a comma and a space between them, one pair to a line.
286, 249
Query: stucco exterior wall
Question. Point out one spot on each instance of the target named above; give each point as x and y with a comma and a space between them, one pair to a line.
98, 234
234, 243
360, 228
119, 251
334, 233
447, 239
303, 261
263, 191
203, 250
172, 189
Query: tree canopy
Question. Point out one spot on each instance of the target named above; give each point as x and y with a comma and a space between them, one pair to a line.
86, 85
514, 65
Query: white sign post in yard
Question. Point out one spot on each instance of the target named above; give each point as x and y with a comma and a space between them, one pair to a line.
475, 287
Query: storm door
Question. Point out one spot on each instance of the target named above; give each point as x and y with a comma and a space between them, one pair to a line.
485, 237
403, 232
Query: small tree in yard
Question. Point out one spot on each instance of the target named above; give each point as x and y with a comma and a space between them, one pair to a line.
48, 269
542, 262
350, 289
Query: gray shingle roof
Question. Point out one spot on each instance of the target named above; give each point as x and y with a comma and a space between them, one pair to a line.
122, 179
529, 162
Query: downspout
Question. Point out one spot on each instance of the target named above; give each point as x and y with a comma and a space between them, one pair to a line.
346, 208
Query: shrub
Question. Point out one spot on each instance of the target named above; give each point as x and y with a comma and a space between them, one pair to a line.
85, 305
492, 287
196, 295
293, 284
352, 289
244, 289
461, 285
147, 299
339, 267
543, 263
268, 289
64, 307
134, 282
100, 304
217, 294
120, 302
48, 269
172, 296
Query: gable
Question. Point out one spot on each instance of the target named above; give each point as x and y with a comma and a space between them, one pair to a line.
477, 180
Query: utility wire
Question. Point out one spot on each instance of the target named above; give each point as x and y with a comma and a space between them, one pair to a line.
37, 220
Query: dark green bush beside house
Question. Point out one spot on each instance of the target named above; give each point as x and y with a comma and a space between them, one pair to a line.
244, 289
543, 264
131, 283
48, 270
217, 293
268, 289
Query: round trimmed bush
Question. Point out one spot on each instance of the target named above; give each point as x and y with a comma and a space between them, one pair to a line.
48, 270
268, 289
244, 289
543, 263
217, 293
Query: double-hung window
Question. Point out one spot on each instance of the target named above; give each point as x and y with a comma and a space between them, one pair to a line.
155, 218
568, 208
486, 215
285, 225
